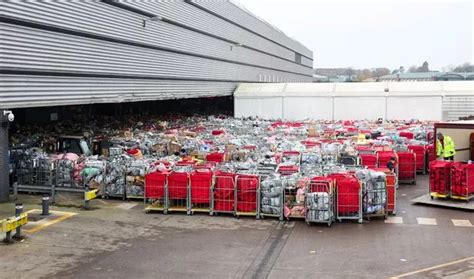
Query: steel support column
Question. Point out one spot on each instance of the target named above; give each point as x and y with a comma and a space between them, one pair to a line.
4, 160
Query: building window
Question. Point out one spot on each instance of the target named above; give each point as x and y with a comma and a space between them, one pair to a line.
297, 58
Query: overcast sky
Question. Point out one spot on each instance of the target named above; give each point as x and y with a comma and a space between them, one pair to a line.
381, 33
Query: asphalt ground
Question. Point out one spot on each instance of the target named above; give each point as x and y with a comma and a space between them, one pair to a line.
117, 240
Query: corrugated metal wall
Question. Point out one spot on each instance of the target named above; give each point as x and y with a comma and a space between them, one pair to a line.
22, 90
457, 106
232, 13
191, 52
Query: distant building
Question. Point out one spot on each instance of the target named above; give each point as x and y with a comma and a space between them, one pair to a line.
427, 76
456, 76
320, 78
371, 79
336, 78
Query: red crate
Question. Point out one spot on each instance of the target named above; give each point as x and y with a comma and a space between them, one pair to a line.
384, 157
247, 190
215, 157
420, 151
309, 144
368, 160
155, 183
406, 167
200, 183
348, 195
365, 149
178, 185
205, 166
462, 181
186, 163
440, 182
391, 180
288, 170
224, 192
405, 134
430, 150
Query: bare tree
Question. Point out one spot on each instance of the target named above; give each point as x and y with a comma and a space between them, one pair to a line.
413, 69
378, 72
464, 68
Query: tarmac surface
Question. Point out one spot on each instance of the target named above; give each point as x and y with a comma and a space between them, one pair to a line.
117, 240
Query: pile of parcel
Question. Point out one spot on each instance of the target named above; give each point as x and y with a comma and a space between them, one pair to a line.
320, 171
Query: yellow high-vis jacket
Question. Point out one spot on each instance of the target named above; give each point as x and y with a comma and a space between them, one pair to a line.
447, 150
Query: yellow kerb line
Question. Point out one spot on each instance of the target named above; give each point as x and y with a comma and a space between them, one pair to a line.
65, 215
433, 267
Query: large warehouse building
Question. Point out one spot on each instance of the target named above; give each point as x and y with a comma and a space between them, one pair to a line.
83, 52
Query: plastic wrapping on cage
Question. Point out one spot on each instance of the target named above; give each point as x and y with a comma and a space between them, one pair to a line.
290, 181
271, 196
68, 170
93, 172
374, 191
115, 176
136, 169
34, 167
115, 151
318, 207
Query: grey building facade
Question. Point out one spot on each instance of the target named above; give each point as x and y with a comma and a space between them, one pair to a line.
83, 52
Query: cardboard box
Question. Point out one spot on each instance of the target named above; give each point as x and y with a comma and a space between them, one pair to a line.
230, 147
128, 135
174, 147
159, 147
189, 134
312, 132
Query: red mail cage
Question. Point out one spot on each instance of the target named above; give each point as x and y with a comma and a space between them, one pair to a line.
406, 167
215, 157
288, 170
420, 152
320, 201
391, 185
348, 197
223, 193
440, 182
385, 156
155, 192
462, 181
369, 160
177, 194
406, 134
200, 184
247, 192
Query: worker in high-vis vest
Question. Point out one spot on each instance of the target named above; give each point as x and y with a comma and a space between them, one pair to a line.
445, 147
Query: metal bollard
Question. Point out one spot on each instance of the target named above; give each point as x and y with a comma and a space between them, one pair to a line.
45, 205
86, 201
18, 211
8, 237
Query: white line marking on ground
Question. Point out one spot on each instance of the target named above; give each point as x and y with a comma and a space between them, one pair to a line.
461, 223
126, 205
427, 221
394, 220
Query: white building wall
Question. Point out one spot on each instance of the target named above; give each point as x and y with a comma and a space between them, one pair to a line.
443, 100
353, 108
406, 107
297, 108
